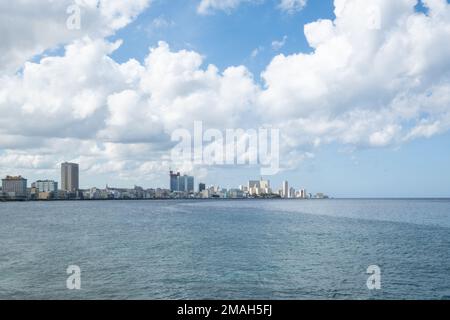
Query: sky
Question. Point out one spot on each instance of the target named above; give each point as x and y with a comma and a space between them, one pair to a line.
359, 90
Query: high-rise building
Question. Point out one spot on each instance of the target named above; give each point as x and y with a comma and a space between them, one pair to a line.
46, 186
70, 177
264, 184
182, 183
292, 193
259, 187
190, 184
15, 186
201, 187
253, 184
285, 189
174, 181
303, 194
179, 183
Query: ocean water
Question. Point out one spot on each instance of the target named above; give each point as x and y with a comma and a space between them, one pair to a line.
252, 249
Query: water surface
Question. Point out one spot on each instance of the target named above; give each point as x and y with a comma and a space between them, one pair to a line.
245, 249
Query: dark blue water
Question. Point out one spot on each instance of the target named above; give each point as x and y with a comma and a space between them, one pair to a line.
268, 249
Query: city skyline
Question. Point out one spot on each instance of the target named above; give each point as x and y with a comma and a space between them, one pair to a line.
362, 109
181, 186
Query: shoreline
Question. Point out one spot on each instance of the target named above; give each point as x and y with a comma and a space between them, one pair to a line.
229, 199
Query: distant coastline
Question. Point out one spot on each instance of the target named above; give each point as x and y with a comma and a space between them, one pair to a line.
229, 199
160, 199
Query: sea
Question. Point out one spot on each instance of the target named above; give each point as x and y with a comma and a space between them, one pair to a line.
226, 249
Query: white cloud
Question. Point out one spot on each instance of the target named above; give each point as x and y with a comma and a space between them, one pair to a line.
364, 85
161, 22
209, 6
29, 27
278, 44
361, 86
256, 52
63, 96
115, 116
292, 6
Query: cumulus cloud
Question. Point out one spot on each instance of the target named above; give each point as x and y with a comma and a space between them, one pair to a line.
29, 27
378, 75
66, 93
368, 82
111, 112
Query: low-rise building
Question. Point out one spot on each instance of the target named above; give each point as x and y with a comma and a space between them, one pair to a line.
45, 186
45, 195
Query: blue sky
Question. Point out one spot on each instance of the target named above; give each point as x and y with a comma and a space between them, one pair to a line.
224, 38
368, 110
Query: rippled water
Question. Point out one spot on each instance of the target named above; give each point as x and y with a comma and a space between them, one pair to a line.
267, 249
